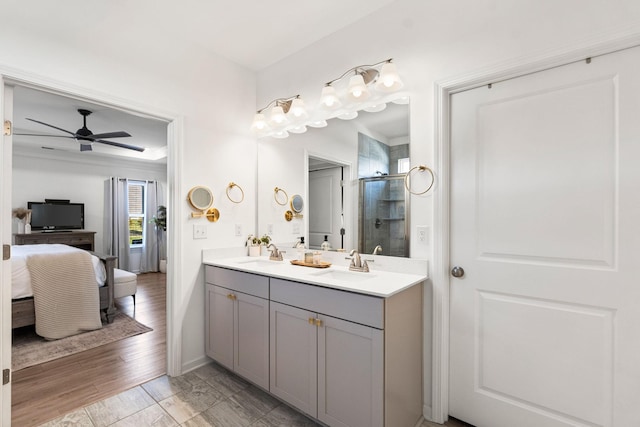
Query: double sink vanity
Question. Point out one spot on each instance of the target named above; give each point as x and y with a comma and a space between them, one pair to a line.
344, 347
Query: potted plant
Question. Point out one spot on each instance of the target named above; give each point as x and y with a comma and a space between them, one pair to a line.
255, 243
24, 217
160, 221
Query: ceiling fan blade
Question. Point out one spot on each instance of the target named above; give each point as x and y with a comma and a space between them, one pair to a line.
86, 147
40, 134
51, 126
120, 134
118, 144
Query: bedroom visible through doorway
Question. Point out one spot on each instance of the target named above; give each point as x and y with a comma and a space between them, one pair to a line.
45, 155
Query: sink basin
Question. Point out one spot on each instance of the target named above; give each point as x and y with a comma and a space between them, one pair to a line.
258, 263
344, 276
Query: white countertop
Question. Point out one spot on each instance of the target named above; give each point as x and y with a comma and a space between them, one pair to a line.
376, 282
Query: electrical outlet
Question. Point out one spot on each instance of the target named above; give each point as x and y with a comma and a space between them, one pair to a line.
199, 231
422, 233
270, 229
238, 230
296, 229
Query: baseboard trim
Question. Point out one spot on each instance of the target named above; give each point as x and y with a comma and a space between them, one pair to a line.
195, 364
426, 412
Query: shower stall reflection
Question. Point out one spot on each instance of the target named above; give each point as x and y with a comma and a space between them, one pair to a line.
383, 222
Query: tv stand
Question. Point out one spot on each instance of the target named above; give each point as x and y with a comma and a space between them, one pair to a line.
79, 238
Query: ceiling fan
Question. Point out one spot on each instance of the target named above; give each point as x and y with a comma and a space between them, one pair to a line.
85, 137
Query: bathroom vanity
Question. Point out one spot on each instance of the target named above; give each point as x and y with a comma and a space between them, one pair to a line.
343, 347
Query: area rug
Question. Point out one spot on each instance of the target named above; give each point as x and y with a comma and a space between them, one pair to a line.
29, 349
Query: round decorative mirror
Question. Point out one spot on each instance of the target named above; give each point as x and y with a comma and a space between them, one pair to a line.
200, 198
297, 203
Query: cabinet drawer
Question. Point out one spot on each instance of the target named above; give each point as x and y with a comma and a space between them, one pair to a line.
252, 284
363, 309
35, 240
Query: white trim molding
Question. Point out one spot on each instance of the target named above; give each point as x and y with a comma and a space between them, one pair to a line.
175, 143
597, 45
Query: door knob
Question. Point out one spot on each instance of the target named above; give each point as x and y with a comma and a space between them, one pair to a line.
457, 271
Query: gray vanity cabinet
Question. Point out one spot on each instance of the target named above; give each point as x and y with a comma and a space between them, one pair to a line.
237, 327
345, 358
294, 357
328, 367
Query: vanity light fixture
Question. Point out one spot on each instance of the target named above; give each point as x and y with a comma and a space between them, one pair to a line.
368, 89
375, 107
282, 112
385, 80
349, 115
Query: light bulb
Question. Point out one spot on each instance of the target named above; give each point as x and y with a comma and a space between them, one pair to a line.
329, 98
389, 79
357, 90
297, 109
277, 116
259, 123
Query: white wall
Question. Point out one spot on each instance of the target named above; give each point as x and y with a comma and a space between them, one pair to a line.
161, 74
432, 41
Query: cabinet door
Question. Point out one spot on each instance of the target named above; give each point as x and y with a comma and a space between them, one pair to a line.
294, 350
350, 374
220, 325
251, 343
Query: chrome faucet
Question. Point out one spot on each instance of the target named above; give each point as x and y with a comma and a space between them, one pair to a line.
356, 262
377, 250
275, 255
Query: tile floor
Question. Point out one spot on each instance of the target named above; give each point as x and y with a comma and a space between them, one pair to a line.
208, 396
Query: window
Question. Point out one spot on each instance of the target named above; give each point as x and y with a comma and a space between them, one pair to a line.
403, 165
137, 217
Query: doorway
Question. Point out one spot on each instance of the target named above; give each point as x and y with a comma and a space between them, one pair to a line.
171, 350
329, 210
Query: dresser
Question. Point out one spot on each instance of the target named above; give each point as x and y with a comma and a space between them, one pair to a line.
79, 238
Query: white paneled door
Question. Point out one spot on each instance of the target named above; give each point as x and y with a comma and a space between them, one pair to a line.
545, 223
325, 207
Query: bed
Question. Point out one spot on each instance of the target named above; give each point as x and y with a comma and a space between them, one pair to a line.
23, 310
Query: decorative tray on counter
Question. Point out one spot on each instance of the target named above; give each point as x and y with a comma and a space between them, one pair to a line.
310, 264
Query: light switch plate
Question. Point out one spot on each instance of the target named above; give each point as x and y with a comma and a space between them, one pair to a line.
295, 229
199, 231
423, 233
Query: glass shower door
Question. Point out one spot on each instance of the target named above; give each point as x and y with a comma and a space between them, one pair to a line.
383, 210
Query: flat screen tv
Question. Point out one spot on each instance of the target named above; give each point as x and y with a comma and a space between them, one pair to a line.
56, 216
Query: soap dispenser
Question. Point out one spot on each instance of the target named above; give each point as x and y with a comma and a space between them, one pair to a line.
300, 248
325, 246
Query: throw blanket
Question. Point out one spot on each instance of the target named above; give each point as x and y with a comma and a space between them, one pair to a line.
65, 294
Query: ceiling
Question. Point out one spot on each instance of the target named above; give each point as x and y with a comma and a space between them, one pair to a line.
62, 112
252, 33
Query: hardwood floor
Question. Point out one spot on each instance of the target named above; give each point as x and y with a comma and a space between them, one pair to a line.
46, 391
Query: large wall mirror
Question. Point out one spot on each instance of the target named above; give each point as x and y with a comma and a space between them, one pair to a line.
347, 174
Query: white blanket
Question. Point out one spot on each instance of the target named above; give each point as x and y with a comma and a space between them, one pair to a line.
65, 297
20, 277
